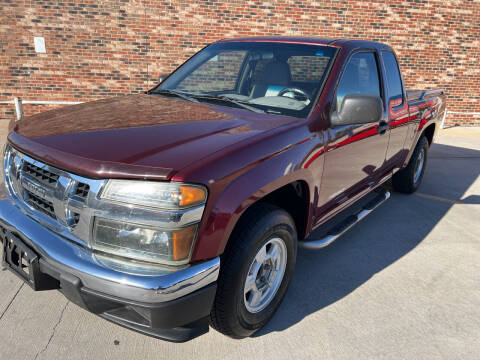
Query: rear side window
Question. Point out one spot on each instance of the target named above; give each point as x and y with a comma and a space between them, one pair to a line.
394, 82
360, 77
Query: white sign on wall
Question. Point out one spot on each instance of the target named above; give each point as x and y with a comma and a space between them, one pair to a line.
39, 45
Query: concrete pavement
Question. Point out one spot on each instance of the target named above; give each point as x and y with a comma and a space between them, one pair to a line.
404, 283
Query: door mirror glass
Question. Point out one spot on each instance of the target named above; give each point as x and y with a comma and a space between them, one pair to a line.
358, 109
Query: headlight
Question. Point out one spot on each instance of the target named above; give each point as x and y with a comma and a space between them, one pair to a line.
154, 194
169, 242
144, 243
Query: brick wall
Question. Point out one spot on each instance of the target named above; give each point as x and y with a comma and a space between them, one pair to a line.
97, 49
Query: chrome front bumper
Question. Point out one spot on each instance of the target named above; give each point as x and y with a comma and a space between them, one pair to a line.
163, 286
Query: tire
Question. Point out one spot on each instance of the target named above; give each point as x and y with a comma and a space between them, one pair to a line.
409, 179
235, 312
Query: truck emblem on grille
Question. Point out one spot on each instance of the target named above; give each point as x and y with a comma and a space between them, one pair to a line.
37, 190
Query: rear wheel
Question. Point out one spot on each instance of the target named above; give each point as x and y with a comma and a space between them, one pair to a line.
409, 179
256, 269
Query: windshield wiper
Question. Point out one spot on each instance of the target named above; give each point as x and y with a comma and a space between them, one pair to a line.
242, 104
229, 100
193, 98
175, 93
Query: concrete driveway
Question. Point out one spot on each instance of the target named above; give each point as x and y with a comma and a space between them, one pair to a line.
404, 283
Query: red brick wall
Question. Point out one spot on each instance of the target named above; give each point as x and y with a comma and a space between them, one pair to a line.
97, 49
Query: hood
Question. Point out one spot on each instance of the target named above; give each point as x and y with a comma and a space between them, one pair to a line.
146, 136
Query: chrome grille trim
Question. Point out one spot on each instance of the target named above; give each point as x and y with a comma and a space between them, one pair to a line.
82, 190
39, 174
76, 201
40, 204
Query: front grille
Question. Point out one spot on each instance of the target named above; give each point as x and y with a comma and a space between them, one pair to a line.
51, 195
44, 176
82, 190
40, 204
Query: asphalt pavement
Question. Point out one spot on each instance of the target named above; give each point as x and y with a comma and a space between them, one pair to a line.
402, 284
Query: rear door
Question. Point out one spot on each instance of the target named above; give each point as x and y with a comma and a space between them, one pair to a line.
355, 154
397, 110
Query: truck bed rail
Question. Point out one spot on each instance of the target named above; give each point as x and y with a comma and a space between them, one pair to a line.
415, 95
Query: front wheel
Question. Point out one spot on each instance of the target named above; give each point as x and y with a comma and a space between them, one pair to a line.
409, 179
256, 269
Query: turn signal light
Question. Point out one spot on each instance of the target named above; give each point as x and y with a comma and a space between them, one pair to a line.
191, 195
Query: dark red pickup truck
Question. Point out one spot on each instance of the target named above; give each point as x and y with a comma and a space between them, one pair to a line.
168, 211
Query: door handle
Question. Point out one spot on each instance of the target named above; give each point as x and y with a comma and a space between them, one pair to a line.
382, 127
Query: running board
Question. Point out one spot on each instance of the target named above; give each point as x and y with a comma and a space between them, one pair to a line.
344, 226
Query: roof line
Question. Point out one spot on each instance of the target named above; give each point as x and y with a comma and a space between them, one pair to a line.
333, 41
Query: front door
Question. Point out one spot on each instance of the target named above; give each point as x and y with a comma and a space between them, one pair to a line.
355, 154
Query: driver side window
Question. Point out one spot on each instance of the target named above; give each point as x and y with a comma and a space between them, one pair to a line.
360, 77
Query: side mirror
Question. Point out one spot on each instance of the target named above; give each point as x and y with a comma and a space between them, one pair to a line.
162, 77
358, 109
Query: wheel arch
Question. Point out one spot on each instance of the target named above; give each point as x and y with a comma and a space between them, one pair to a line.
429, 133
293, 197
292, 192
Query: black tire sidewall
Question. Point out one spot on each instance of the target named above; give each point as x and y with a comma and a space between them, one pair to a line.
403, 180
422, 144
253, 321
237, 321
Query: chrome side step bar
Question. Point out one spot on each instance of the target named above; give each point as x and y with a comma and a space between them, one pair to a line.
349, 222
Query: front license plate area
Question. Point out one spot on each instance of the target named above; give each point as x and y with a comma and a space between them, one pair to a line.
24, 262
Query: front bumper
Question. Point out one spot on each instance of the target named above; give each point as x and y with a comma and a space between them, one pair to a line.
172, 304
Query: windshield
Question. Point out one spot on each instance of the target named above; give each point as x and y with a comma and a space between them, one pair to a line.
270, 77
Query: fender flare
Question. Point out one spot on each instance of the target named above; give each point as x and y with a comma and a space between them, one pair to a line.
245, 190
